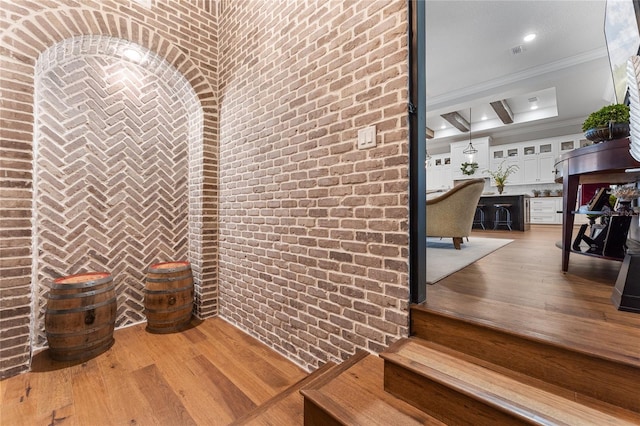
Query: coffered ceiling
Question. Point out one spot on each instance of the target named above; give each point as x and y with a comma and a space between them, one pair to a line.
476, 56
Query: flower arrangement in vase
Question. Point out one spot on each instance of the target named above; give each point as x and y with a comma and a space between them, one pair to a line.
500, 175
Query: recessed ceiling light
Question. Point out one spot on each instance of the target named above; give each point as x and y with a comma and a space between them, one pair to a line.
444, 126
529, 37
484, 117
534, 107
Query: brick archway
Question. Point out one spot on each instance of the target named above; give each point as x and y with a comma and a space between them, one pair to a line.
22, 43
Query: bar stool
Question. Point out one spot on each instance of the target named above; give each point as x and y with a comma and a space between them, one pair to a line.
478, 218
503, 215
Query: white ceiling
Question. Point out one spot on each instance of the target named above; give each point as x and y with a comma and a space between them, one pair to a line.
469, 63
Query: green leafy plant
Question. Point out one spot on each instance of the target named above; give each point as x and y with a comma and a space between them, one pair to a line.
468, 168
618, 113
502, 173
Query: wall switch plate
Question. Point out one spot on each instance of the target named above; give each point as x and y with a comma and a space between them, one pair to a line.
367, 137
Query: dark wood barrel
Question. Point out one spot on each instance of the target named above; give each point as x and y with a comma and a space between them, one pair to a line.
80, 316
168, 297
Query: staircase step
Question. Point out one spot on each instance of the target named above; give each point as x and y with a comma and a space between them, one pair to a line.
286, 407
595, 375
355, 395
458, 389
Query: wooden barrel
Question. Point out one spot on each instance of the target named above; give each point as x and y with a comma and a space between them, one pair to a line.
80, 316
168, 297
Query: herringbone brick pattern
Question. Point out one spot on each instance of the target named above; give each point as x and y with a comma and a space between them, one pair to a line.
112, 175
184, 34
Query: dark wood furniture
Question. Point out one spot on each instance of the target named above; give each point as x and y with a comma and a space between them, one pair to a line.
603, 162
519, 210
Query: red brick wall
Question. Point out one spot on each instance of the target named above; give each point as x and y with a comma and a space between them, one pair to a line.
184, 34
313, 231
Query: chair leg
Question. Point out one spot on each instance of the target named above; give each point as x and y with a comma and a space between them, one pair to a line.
457, 241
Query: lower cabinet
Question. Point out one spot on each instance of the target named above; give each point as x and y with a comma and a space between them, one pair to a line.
545, 210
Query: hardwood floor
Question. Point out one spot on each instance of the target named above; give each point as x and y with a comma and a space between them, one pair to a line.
521, 288
210, 374
213, 374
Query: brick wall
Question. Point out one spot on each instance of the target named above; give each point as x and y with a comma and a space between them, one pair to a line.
183, 33
313, 232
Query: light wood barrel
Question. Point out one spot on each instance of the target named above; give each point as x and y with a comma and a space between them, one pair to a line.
168, 297
80, 316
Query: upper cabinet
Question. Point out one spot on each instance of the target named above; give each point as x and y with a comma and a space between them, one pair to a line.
538, 162
535, 159
439, 172
458, 157
505, 156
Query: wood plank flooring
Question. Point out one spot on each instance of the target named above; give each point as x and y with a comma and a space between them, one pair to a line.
522, 288
210, 374
213, 374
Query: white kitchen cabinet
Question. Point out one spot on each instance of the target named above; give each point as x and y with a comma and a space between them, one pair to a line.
568, 145
481, 157
545, 210
538, 161
505, 156
439, 172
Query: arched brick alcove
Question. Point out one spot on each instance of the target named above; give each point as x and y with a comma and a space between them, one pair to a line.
115, 140
30, 29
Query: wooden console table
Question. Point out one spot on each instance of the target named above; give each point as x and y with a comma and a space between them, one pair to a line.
599, 163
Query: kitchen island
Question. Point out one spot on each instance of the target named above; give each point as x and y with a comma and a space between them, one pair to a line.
519, 211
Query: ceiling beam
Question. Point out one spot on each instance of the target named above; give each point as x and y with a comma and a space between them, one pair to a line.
457, 121
430, 133
504, 112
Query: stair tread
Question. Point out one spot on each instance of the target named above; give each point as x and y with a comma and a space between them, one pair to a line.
559, 328
505, 393
357, 397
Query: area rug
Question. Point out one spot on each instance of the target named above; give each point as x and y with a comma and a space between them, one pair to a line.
443, 259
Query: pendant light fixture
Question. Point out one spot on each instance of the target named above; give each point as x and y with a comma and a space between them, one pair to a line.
470, 149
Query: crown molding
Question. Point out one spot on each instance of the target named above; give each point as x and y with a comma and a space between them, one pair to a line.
436, 102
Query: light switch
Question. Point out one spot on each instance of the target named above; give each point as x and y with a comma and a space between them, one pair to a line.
367, 137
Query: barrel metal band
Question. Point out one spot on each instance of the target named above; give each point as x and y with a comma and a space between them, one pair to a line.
168, 270
83, 346
57, 296
82, 332
81, 308
164, 280
172, 321
169, 291
166, 311
83, 284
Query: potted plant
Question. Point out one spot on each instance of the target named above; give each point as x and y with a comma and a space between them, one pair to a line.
546, 192
609, 122
501, 174
535, 192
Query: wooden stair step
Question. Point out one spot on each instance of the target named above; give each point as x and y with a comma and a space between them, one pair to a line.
452, 387
285, 407
612, 379
550, 325
353, 394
